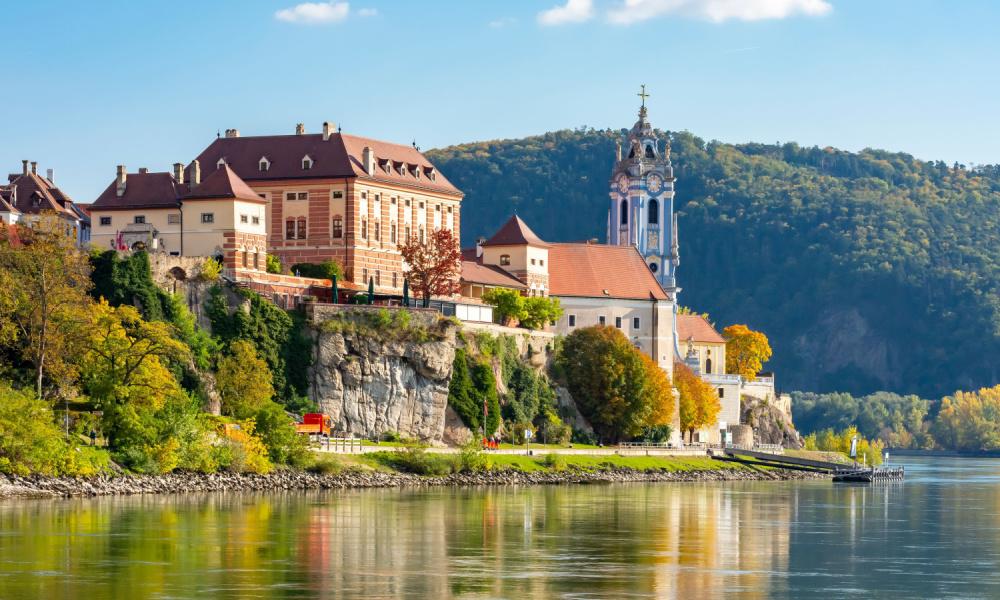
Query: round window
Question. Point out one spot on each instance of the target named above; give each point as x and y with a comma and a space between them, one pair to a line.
653, 267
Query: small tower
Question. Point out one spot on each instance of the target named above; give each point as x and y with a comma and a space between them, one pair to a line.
642, 200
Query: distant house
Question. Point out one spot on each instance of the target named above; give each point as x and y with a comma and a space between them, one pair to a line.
28, 195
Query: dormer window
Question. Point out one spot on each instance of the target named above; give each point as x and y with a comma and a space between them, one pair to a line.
400, 167
307, 162
416, 171
221, 163
430, 173
264, 164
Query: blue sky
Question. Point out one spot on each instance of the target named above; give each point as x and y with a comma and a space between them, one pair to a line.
91, 85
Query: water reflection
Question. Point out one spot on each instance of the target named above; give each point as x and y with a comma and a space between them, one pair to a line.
664, 541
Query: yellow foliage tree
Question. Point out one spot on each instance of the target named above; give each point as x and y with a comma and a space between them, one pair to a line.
699, 404
970, 421
746, 351
243, 381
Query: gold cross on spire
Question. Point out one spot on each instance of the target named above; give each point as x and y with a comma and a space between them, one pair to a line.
643, 95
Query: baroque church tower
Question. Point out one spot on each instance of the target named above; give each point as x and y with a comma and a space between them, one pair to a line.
642, 201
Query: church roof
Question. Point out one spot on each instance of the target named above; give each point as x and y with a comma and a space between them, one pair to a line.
601, 271
515, 232
697, 329
341, 156
224, 183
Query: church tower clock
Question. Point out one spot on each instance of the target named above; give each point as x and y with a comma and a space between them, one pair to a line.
642, 201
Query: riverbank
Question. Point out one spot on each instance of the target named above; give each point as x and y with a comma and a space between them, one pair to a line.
286, 480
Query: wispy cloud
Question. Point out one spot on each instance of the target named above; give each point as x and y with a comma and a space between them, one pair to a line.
502, 22
574, 11
314, 13
368, 12
716, 11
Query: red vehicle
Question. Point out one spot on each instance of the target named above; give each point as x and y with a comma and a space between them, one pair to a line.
314, 424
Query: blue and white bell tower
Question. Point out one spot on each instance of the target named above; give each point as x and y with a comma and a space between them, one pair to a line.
642, 201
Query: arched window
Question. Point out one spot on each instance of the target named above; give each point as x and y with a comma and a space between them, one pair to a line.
708, 366
302, 228
290, 229
624, 212
649, 151
654, 212
338, 227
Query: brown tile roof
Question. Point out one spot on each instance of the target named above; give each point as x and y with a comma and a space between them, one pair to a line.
696, 328
515, 232
6, 206
474, 272
142, 190
223, 183
339, 157
601, 271
25, 189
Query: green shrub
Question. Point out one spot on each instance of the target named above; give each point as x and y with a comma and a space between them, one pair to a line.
325, 270
30, 441
274, 264
556, 462
472, 459
420, 462
325, 465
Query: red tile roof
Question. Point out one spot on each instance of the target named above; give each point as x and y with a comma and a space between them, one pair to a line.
223, 183
697, 329
26, 188
474, 272
342, 156
515, 232
142, 190
601, 271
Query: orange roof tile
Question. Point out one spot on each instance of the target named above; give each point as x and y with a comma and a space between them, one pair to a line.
601, 271
697, 329
515, 232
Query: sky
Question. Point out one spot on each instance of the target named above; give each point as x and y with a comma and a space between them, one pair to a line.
147, 83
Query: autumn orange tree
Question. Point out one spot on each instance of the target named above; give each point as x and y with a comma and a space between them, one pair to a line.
434, 265
619, 389
746, 351
699, 405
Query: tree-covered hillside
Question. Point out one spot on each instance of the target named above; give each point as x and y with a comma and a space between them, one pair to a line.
869, 270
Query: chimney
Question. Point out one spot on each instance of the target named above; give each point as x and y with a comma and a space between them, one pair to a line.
143, 170
51, 176
24, 167
179, 172
232, 133
368, 160
194, 174
120, 180
300, 129
327, 130
479, 246
34, 168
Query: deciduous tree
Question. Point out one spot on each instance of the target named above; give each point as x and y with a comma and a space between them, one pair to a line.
243, 381
508, 304
539, 311
434, 266
746, 351
699, 405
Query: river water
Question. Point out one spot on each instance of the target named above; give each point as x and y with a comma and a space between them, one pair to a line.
935, 535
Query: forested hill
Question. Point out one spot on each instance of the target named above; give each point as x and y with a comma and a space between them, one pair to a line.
869, 270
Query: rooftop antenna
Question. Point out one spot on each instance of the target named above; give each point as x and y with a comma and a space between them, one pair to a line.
217, 133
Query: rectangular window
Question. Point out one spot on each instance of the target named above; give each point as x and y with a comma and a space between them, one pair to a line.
338, 227
338, 195
303, 196
289, 195
256, 220
364, 275
290, 229
105, 221
364, 229
533, 261
394, 280
618, 322
139, 219
296, 195
635, 322
378, 277
244, 218
722, 392
173, 219
602, 320
406, 233
302, 228
378, 233
407, 201
572, 320
541, 262
392, 232
208, 217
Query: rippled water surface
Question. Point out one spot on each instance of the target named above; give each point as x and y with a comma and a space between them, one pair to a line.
936, 535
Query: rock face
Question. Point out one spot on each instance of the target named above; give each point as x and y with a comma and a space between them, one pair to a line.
370, 386
770, 425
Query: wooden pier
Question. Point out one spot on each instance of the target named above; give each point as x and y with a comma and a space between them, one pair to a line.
839, 471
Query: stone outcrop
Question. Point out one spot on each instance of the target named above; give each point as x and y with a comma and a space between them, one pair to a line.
373, 384
770, 424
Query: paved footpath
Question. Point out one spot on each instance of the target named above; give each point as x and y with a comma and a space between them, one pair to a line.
335, 447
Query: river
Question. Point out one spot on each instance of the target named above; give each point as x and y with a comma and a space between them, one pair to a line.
935, 535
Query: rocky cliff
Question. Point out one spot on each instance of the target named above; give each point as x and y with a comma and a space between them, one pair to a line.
374, 375
770, 425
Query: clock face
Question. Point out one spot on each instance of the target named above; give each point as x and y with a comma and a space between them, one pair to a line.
654, 183
623, 184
